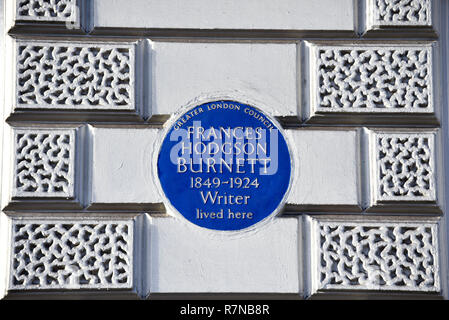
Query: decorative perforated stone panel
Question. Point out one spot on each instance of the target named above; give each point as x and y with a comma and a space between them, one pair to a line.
226, 69
190, 261
71, 254
376, 255
397, 13
44, 163
47, 10
403, 166
371, 79
76, 76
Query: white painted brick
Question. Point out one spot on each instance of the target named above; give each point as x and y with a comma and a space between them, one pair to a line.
374, 79
326, 168
185, 259
122, 164
375, 254
402, 166
72, 253
62, 75
232, 14
260, 71
399, 13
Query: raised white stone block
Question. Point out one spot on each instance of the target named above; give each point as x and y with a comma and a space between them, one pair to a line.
121, 172
4, 248
403, 167
326, 169
45, 167
232, 14
77, 253
265, 73
44, 164
185, 259
374, 254
77, 76
361, 82
399, 13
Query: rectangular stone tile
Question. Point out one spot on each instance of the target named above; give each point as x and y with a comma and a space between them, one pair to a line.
368, 83
378, 255
263, 72
69, 16
403, 169
233, 14
121, 160
44, 163
326, 172
84, 254
4, 248
185, 259
78, 77
398, 13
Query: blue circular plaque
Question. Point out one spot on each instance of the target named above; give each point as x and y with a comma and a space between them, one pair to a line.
224, 165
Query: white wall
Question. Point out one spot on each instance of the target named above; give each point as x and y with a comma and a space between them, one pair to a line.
359, 89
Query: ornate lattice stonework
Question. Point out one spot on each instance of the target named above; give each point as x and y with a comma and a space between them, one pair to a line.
396, 13
371, 79
76, 76
378, 256
47, 10
44, 163
71, 254
403, 166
